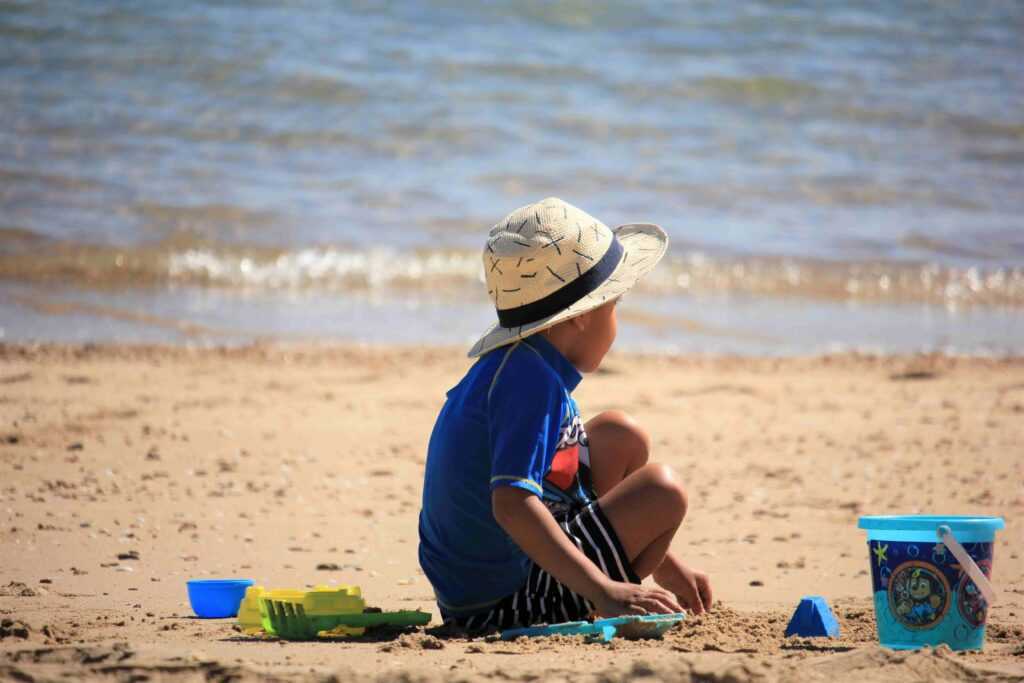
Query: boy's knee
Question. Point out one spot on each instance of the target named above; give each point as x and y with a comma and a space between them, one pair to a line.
666, 485
619, 429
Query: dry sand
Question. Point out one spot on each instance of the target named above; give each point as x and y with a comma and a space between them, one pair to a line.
125, 471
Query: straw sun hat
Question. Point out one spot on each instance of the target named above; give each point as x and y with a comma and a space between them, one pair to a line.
550, 261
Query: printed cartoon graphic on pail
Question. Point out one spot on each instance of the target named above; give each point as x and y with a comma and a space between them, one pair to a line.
929, 577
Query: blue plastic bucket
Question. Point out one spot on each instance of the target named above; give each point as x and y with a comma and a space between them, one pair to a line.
923, 596
216, 598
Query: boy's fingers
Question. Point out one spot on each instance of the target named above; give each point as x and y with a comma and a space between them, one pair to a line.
695, 604
667, 601
650, 604
704, 587
641, 605
691, 599
655, 607
699, 598
652, 601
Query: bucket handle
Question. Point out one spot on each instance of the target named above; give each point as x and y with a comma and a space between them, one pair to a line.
970, 566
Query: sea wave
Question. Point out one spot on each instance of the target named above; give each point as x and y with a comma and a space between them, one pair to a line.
440, 272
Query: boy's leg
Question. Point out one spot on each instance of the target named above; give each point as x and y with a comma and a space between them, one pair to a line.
618, 447
645, 503
646, 508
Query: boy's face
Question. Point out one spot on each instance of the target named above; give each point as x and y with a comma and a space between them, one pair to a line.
598, 337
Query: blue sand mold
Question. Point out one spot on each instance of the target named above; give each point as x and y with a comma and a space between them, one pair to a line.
813, 618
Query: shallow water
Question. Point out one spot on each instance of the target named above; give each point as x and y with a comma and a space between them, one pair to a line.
329, 170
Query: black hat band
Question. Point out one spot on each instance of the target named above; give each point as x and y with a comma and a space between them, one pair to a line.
567, 295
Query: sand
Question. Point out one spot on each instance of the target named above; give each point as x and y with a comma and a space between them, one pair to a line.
125, 471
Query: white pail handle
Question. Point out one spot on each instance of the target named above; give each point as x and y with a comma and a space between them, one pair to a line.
968, 564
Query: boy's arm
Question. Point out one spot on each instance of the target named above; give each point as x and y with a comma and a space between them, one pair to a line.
525, 518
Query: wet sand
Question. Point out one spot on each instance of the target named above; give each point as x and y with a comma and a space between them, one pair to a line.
125, 471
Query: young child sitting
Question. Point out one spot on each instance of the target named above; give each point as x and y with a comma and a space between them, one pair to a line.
529, 515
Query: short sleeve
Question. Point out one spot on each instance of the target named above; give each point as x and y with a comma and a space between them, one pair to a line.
524, 415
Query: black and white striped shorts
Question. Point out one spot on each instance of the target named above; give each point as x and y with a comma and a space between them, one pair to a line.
542, 599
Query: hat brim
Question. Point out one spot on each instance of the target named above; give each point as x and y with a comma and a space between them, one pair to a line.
643, 243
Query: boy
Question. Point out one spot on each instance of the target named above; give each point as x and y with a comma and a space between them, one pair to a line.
530, 516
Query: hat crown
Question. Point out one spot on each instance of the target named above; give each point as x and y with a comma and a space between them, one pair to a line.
540, 248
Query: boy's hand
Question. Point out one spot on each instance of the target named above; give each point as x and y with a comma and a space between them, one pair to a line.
618, 598
694, 591
692, 588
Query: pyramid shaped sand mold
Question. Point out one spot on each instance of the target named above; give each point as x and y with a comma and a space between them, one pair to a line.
813, 618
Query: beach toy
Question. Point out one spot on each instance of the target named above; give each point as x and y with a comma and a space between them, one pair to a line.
249, 619
289, 620
321, 612
329, 599
929, 576
216, 598
280, 607
632, 627
813, 619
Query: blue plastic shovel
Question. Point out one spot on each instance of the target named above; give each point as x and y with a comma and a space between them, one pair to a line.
632, 627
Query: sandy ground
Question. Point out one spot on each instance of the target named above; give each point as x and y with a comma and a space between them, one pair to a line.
126, 471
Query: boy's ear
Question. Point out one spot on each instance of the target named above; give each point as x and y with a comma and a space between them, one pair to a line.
580, 321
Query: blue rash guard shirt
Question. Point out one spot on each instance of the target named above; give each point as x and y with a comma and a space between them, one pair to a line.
510, 422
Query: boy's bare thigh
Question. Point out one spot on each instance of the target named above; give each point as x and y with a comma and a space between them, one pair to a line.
645, 503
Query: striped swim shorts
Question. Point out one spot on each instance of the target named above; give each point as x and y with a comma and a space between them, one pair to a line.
542, 599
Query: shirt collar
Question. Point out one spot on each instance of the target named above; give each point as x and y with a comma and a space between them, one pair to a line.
553, 357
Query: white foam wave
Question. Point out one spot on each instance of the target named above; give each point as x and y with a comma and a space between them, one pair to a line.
323, 268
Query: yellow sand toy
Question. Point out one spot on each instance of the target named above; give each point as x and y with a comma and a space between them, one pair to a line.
321, 612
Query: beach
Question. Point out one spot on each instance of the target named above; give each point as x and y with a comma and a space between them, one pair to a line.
127, 470
240, 266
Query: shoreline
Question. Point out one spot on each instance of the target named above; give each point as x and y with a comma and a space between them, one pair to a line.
327, 349
733, 324
268, 461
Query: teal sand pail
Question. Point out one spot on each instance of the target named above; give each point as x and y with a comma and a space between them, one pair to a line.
921, 569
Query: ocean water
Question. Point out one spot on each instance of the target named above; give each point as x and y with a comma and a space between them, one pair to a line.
832, 175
